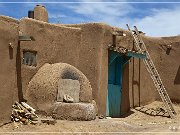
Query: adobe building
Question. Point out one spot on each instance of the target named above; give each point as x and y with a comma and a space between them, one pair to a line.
38, 57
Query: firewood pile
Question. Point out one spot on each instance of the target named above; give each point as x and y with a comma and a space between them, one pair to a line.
23, 113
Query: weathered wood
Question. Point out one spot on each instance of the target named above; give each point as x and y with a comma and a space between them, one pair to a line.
28, 107
23, 113
23, 108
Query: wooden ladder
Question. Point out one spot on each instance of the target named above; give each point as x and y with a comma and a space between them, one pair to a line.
140, 45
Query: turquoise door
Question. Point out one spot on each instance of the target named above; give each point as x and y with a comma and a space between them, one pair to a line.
115, 68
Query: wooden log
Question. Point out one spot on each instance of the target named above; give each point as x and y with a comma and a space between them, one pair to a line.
23, 108
28, 107
18, 111
15, 107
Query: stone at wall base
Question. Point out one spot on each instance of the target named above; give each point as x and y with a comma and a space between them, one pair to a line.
74, 111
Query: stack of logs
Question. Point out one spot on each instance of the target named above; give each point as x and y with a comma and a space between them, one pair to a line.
23, 113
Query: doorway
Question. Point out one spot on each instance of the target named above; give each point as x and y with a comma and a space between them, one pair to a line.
115, 70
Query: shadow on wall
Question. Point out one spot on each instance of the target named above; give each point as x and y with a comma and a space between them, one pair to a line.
177, 78
136, 82
10, 52
18, 71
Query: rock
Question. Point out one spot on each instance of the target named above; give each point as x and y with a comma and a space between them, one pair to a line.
108, 118
23, 119
68, 99
34, 122
33, 118
49, 121
16, 119
101, 116
161, 109
15, 125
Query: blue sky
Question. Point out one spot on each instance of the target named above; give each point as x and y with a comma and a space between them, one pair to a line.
155, 19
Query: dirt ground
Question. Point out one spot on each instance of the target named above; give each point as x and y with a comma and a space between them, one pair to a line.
141, 120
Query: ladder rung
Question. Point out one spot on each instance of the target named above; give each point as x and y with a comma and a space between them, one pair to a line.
153, 72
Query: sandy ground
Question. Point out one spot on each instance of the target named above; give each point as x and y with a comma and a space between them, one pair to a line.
139, 121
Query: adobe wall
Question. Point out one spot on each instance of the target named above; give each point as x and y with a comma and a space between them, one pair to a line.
8, 89
141, 88
94, 60
89, 44
85, 46
125, 98
167, 63
53, 44
141, 85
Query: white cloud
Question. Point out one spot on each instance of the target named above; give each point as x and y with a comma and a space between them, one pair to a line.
159, 22
56, 15
107, 10
163, 22
101, 10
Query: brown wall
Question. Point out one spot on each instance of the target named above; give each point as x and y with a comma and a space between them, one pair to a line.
142, 89
90, 46
141, 85
93, 60
166, 63
8, 89
125, 99
53, 45
83, 47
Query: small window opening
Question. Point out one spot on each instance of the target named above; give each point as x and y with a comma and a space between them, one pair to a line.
29, 58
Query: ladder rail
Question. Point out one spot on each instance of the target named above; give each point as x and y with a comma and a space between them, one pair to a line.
158, 84
163, 97
162, 88
151, 68
151, 62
